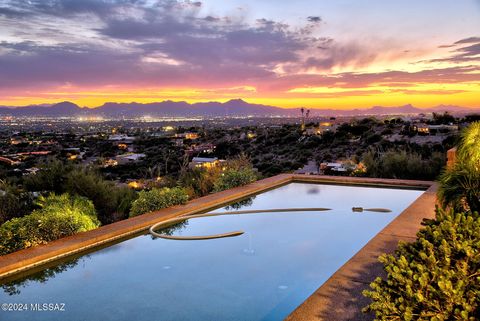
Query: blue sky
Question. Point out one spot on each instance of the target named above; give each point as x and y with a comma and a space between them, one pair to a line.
441, 19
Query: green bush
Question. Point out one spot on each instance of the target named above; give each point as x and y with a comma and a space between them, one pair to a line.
13, 202
234, 172
50, 177
460, 185
59, 216
157, 198
403, 165
434, 278
111, 202
231, 178
199, 181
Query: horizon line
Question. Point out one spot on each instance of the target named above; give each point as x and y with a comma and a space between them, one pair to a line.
46, 105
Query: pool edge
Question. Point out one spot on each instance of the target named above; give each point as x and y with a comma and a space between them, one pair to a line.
27, 259
340, 297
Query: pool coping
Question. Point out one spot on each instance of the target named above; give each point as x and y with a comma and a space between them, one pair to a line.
316, 307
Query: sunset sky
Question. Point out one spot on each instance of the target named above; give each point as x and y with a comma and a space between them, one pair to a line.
313, 53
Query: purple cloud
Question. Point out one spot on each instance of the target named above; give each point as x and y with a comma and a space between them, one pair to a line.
135, 34
173, 43
469, 52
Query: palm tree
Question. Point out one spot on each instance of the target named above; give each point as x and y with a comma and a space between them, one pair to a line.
460, 185
460, 189
469, 149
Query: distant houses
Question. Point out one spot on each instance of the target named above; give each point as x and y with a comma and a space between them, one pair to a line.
72, 153
129, 158
18, 140
421, 128
426, 129
311, 168
205, 162
322, 128
339, 168
247, 135
187, 135
201, 149
333, 167
109, 163
325, 127
122, 141
121, 138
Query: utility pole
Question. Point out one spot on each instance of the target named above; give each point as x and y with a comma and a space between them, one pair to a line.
303, 119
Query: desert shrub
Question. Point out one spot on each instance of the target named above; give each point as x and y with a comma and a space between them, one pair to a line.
13, 202
198, 181
202, 181
403, 165
434, 278
14, 205
157, 198
50, 177
59, 216
231, 178
111, 202
444, 118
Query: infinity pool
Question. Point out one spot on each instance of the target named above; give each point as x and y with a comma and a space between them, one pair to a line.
263, 274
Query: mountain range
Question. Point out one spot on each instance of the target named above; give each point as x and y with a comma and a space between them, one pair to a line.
231, 108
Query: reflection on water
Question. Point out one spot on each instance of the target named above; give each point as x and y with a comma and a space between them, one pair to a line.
170, 230
261, 275
13, 287
247, 202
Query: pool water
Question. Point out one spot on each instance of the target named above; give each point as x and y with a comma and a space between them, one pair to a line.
264, 274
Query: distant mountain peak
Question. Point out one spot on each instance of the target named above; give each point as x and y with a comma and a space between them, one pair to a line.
236, 101
65, 104
232, 107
